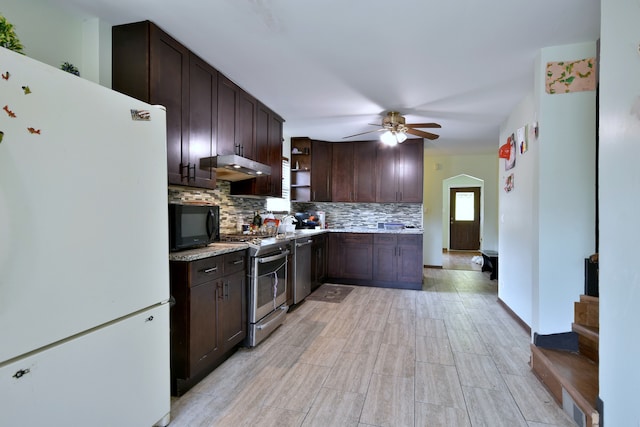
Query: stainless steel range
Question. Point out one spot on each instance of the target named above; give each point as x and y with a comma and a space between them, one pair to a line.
267, 278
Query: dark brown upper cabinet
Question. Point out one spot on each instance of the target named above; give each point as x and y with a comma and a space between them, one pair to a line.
150, 65
399, 172
207, 114
321, 160
352, 168
203, 106
268, 150
237, 120
227, 110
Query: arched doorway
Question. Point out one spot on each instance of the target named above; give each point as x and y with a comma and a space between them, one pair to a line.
462, 185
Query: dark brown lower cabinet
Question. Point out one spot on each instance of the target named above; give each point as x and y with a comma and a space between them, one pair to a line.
318, 261
397, 258
350, 257
385, 259
209, 318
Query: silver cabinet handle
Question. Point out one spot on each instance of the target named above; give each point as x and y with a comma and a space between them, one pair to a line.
210, 270
240, 261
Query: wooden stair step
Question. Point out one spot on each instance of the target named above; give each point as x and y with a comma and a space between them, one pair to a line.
591, 332
588, 340
573, 372
587, 311
589, 299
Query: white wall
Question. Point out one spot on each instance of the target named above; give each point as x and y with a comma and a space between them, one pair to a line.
52, 35
566, 193
548, 220
619, 207
516, 217
439, 168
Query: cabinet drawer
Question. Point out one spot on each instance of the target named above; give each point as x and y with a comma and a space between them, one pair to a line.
410, 240
385, 239
234, 262
205, 269
349, 238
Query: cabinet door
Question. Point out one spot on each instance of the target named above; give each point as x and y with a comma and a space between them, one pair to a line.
342, 173
203, 119
358, 250
262, 134
130, 59
321, 160
318, 261
232, 310
227, 108
246, 125
364, 166
269, 151
203, 326
275, 155
410, 171
257, 186
169, 86
386, 174
335, 255
410, 262
385, 257
70, 384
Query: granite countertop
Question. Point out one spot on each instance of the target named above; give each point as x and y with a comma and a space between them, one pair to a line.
213, 249
216, 249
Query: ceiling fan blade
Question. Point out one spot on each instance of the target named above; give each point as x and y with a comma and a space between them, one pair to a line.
423, 134
363, 133
423, 125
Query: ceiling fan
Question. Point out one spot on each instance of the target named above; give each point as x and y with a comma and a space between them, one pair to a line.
396, 129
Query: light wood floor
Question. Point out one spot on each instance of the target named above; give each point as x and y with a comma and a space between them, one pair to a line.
448, 355
460, 260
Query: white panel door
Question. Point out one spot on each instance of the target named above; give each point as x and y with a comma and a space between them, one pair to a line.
114, 376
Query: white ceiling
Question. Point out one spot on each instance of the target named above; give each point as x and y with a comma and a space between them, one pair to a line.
331, 67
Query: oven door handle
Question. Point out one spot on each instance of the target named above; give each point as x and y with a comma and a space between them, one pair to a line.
283, 310
273, 258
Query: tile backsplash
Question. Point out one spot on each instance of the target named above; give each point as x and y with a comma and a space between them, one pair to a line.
341, 215
338, 215
231, 207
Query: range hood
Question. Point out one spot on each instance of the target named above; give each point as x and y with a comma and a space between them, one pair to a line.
232, 167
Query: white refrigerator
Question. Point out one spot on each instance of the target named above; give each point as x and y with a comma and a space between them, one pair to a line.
84, 272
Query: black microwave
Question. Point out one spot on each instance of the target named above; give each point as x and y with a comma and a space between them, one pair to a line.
192, 226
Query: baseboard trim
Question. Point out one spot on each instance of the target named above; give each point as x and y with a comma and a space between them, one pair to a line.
517, 318
432, 266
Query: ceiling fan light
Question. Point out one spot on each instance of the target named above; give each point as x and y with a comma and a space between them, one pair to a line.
388, 138
401, 137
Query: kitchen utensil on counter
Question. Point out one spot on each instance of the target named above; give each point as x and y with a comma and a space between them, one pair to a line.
288, 227
271, 224
321, 218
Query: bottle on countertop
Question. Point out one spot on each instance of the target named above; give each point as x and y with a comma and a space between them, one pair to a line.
257, 220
